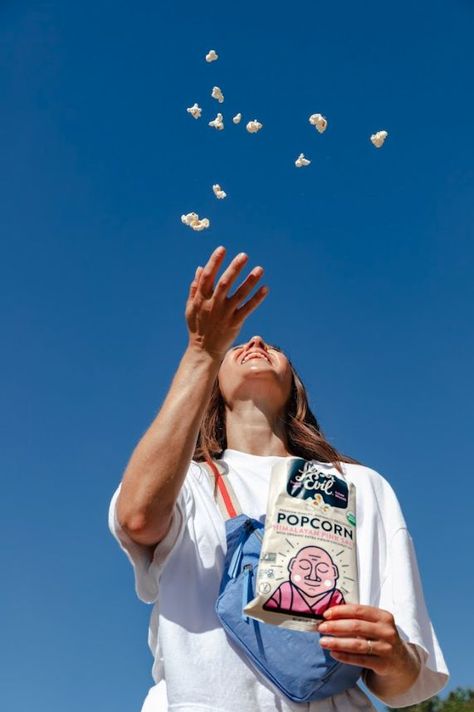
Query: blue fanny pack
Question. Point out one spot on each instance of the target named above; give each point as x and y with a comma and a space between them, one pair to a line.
292, 660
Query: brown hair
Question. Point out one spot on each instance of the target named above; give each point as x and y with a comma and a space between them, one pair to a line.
303, 434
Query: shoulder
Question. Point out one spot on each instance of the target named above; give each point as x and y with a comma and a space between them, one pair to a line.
372, 486
367, 477
196, 470
199, 480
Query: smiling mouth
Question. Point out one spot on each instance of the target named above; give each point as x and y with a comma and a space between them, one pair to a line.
254, 355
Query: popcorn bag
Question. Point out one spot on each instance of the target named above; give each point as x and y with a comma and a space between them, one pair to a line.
308, 558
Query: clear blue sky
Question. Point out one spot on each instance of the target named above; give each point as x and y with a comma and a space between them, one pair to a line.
368, 255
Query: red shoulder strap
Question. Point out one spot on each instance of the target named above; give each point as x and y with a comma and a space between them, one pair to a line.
223, 492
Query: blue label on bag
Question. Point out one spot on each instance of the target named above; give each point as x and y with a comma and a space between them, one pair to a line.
306, 480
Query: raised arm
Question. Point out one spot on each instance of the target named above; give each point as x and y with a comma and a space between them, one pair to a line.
158, 465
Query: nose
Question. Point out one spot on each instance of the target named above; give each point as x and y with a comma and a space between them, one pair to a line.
312, 574
256, 342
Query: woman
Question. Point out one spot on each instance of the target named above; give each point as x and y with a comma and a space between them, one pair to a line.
246, 406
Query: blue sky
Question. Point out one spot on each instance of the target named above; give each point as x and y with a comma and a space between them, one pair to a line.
368, 255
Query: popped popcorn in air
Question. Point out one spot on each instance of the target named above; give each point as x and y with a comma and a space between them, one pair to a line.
319, 122
218, 122
254, 126
237, 118
200, 224
189, 218
195, 111
302, 161
217, 94
192, 220
212, 55
379, 138
218, 192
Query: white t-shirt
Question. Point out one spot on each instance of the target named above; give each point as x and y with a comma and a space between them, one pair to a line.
196, 668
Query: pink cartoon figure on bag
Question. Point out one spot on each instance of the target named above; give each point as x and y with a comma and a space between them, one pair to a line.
311, 587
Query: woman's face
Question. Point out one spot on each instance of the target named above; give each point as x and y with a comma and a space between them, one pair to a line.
255, 369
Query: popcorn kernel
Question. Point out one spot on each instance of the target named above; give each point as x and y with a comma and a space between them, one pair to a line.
217, 94
319, 122
212, 55
378, 138
218, 192
254, 126
195, 111
302, 161
218, 122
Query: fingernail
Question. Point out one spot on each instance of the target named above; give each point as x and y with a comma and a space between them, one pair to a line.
241, 255
324, 641
323, 627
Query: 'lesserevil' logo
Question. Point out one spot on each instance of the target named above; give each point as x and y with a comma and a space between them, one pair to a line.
305, 479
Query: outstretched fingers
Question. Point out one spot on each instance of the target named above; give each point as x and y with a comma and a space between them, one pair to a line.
252, 304
230, 275
209, 272
194, 284
202, 287
246, 287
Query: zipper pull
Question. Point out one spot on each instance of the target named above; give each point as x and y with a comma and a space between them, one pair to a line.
247, 590
234, 565
235, 561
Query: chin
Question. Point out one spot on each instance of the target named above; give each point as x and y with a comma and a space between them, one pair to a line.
263, 366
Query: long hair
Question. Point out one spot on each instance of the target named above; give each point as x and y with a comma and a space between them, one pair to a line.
304, 437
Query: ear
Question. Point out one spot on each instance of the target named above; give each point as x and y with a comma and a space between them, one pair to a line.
336, 571
291, 564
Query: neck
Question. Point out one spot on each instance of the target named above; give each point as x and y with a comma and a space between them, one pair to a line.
252, 430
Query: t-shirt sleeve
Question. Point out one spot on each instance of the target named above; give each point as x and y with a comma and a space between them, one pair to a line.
148, 562
402, 595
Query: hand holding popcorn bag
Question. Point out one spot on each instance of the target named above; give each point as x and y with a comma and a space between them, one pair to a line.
308, 558
288, 575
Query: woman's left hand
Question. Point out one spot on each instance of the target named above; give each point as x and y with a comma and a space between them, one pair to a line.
366, 636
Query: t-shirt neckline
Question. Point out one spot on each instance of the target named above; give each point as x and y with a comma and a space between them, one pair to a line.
230, 454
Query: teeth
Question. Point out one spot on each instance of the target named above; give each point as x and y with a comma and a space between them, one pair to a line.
254, 355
